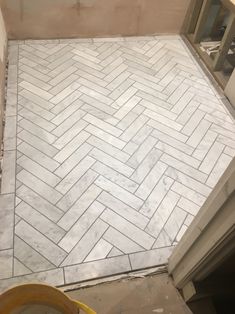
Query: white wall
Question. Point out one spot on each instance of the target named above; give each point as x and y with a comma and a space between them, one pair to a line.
3, 37
3, 42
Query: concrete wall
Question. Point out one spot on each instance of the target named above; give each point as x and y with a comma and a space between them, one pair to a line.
92, 18
3, 41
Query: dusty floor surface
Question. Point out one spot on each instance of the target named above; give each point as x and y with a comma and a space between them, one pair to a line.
111, 147
155, 294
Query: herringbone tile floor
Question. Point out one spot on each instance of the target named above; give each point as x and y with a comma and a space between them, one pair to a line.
119, 143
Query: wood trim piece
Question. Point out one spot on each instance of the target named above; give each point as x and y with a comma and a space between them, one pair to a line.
225, 44
202, 20
194, 13
204, 244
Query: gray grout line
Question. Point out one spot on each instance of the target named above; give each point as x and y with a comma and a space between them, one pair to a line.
95, 200
54, 222
13, 231
42, 198
28, 223
37, 252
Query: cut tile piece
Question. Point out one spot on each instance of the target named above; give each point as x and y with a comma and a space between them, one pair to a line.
96, 269
6, 269
100, 251
150, 258
115, 252
20, 269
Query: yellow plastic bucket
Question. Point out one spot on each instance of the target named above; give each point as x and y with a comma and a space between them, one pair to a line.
39, 294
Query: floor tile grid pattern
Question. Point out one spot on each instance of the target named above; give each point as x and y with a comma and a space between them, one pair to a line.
119, 143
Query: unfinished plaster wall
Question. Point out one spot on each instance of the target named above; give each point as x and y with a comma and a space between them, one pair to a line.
3, 41
92, 18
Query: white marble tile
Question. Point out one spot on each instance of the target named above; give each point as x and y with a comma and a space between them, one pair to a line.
44, 246
188, 181
96, 269
150, 258
20, 269
40, 222
108, 148
119, 192
77, 190
38, 186
122, 242
115, 177
6, 221
150, 181
218, 170
146, 166
211, 157
111, 162
86, 244
188, 206
142, 152
188, 193
37, 170
100, 251
8, 172
123, 210
6, 269
178, 154
29, 257
163, 240
80, 227
72, 215
119, 143
156, 197
52, 277
175, 222
74, 175
128, 229
162, 214
39, 203
186, 169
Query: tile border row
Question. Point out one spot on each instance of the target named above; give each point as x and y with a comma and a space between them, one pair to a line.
93, 40
94, 270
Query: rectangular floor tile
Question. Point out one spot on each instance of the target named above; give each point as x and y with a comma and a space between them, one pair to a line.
6, 221
43, 245
96, 269
150, 258
128, 229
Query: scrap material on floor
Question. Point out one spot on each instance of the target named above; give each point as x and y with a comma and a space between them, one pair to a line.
111, 147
